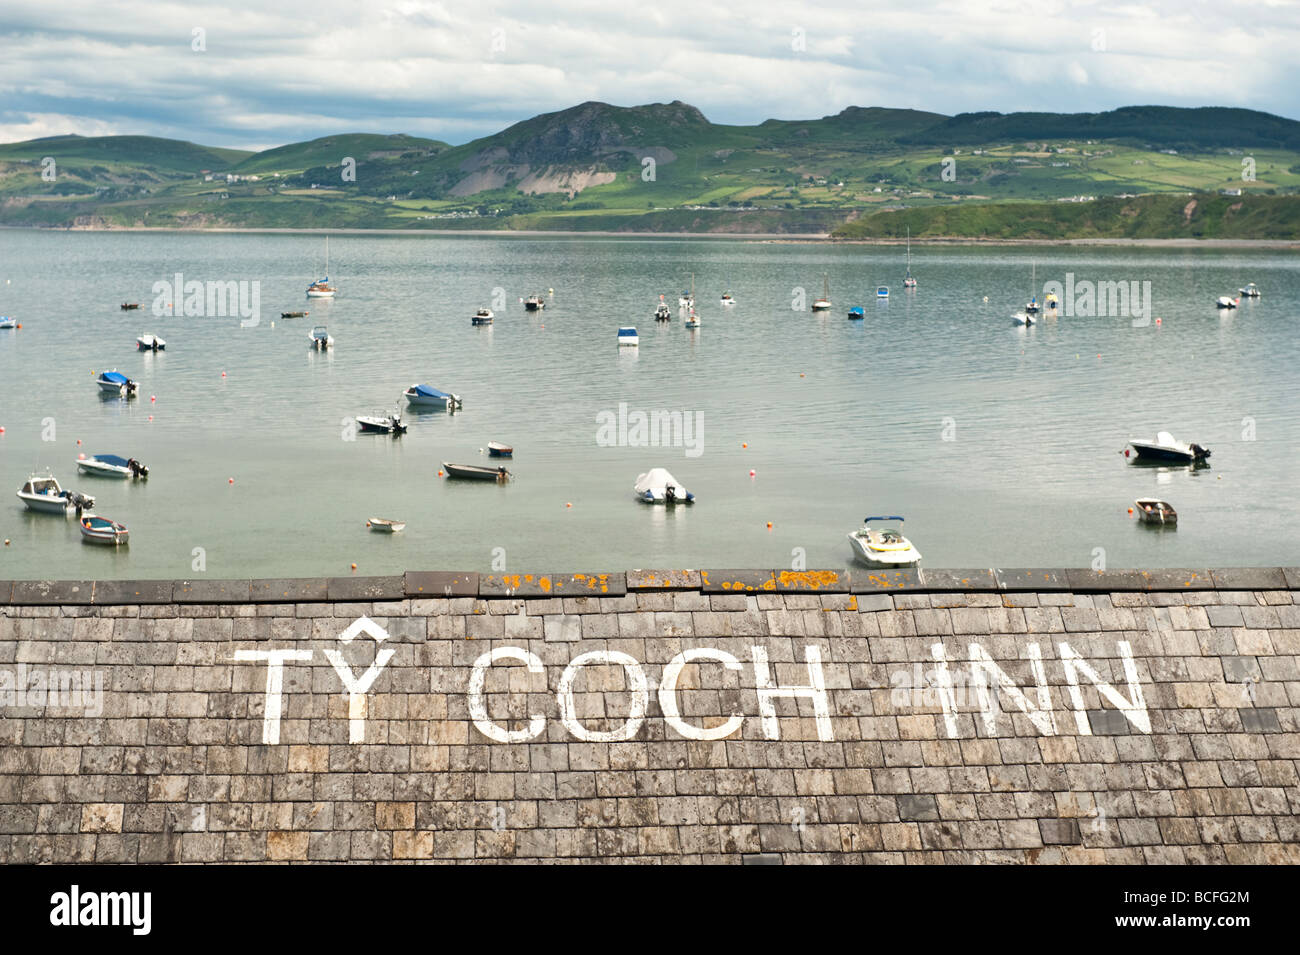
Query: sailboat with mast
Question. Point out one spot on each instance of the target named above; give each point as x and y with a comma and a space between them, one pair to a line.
322, 288
823, 304
1032, 307
909, 282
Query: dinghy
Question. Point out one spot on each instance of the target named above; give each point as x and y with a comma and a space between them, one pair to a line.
294, 314
657, 486
384, 423
129, 306
112, 466
426, 396
497, 450
116, 383
385, 526
474, 472
100, 530
1166, 448
1150, 510
883, 547
150, 343
42, 493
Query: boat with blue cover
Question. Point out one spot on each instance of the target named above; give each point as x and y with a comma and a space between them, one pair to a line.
113, 466
856, 313
116, 383
427, 396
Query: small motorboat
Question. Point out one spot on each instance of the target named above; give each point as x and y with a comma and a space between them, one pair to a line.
1051, 302
116, 383
882, 292
727, 299
534, 303
1022, 319
1150, 510
474, 472
657, 486
627, 336
1032, 307
883, 547
129, 306
1224, 302
112, 466
856, 313
294, 314
692, 320
663, 313
150, 343
426, 396
385, 526
498, 450
389, 423
320, 339
1166, 448
100, 530
823, 304
483, 316
42, 493
1250, 291
7, 322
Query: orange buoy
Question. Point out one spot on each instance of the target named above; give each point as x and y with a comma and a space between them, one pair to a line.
151, 417
1157, 321
744, 444
440, 474
223, 374
769, 525
82, 455
1130, 511
354, 567
751, 472
230, 480
153, 397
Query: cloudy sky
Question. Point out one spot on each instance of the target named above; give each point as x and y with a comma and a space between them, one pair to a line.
261, 74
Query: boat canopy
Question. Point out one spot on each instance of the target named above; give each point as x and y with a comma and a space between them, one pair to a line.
116, 376
428, 391
113, 459
655, 478
868, 520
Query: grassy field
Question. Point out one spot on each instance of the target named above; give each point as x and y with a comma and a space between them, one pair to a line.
667, 168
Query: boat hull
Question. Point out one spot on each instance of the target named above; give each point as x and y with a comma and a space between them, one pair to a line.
500, 451
44, 503
382, 526
473, 472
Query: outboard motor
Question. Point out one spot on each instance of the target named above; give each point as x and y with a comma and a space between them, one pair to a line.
1198, 452
138, 470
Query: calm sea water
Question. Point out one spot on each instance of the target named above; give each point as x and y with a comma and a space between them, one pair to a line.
836, 419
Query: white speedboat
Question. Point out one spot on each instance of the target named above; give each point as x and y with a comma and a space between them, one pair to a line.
1020, 318
1250, 291
322, 288
627, 336
823, 304
384, 526
483, 316
883, 547
112, 466
116, 383
882, 292
42, 493
1165, 448
1224, 302
320, 338
657, 486
7, 322
727, 299
100, 530
1150, 510
426, 396
534, 303
382, 423
150, 343
663, 313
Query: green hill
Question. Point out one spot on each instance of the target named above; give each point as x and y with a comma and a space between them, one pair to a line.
666, 167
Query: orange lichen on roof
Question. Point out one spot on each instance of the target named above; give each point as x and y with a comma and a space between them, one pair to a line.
812, 579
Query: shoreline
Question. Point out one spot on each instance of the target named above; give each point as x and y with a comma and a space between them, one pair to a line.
769, 237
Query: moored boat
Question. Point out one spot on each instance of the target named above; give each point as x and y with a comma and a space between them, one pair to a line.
657, 486
129, 306
627, 336
534, 303
498, 450
727, 299
113, 466
1166, 448
42, 493
1022, 319
116, 383
692, 320
1150, 510
475, 472
294, 314
883, 547
150, 343
856, 313
1224, 302
384, 526
7, 322
1251, 290
909, 281
101, 530
322, 288
426, 396
823, 304
483, 316
320, 338
663, 313
882, 292
385, 423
